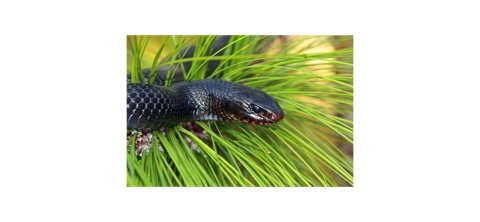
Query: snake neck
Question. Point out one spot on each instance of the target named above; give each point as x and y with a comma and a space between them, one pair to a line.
202, 100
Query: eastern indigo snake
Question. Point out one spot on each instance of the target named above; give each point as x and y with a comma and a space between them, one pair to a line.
155, 106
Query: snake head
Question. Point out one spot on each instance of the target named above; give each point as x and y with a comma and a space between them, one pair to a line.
252, 106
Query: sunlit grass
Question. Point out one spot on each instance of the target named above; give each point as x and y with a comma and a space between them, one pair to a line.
301, 150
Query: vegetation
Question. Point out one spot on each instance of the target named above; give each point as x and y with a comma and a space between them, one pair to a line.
313, 86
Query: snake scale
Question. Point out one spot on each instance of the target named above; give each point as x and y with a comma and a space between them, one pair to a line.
155, 106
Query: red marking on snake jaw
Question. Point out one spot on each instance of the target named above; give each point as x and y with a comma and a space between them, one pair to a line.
278, 117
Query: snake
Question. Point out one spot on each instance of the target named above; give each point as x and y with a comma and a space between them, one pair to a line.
153, 106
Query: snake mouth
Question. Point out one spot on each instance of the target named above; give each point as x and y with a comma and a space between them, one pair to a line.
263, 120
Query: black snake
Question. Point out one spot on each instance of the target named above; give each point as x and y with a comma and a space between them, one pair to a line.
155, 106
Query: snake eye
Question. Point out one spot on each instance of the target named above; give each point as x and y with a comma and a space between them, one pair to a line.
256, 109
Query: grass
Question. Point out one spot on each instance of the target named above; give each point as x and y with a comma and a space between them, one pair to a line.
313, 86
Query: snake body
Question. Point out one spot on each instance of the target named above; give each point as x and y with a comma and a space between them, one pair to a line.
156, 106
